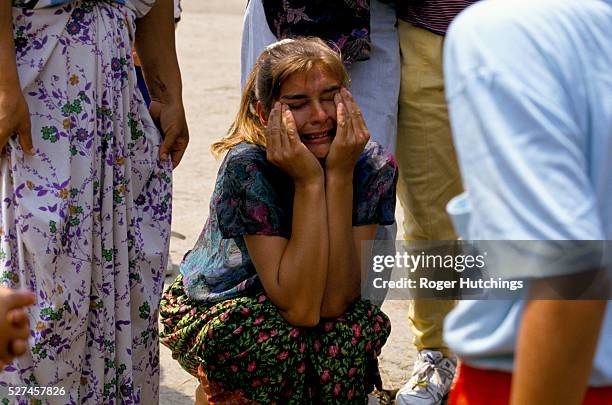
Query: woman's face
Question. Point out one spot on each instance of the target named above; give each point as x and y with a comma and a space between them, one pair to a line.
310, 96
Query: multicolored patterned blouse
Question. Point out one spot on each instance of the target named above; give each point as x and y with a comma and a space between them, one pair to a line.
254, 197
345, 24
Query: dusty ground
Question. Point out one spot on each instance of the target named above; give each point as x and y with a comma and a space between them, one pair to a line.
208, 40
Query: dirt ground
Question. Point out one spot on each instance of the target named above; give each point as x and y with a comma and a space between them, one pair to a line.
208, 41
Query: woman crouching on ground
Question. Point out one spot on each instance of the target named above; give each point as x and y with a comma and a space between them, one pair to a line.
267, 308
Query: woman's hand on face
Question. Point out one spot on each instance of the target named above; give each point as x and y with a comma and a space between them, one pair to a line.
170, 120
286, 151
15, 118
352, 135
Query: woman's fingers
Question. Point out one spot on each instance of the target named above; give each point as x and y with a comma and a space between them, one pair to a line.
24, 132
170, 121
292, 133
284, 142
341, 117
174, 144
360, 130
350, 112
283, 137
273, 129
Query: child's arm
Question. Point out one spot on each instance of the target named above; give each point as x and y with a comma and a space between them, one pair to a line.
555, 349
344, 276
293, 272
14, 326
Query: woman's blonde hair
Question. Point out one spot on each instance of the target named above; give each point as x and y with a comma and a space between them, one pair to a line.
275, 64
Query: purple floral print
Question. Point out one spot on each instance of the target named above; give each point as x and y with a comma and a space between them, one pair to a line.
345, 24
86, 221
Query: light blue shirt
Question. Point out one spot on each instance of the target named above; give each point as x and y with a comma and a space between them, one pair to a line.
529, 88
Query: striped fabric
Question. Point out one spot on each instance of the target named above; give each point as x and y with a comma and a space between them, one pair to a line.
433, 15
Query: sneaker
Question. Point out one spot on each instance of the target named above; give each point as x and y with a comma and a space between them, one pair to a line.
430, 381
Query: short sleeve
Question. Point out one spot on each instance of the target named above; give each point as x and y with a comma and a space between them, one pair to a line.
520, 136
252, 199
524, 144
374, 183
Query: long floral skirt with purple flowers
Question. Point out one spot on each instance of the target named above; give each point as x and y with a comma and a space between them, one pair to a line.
86, 221
245, 352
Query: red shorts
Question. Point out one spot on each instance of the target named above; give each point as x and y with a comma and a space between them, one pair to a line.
475, 386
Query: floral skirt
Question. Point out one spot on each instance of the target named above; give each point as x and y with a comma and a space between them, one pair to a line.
244, 351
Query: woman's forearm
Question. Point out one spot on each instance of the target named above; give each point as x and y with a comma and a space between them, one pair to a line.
157, 52
8, 64
303, 267
343, 275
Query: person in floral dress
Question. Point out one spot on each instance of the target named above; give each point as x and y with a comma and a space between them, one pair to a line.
86, 190
267, 307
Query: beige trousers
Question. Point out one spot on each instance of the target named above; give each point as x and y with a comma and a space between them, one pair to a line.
429, 174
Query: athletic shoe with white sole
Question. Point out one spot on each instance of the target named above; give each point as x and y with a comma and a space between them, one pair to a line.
431, 380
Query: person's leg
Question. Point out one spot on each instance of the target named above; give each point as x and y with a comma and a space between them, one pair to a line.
375, 87
240, 349
429, 173
256, 36
375, 82
343, 352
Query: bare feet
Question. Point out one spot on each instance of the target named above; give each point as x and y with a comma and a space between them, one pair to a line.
200, 396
